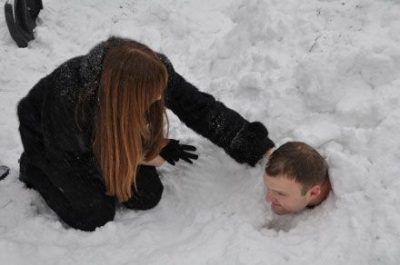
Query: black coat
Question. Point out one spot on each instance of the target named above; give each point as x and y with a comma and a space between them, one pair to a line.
55, 143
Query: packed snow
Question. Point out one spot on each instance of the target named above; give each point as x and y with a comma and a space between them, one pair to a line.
323, 72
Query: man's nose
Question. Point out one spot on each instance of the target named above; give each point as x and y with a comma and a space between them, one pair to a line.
270, 198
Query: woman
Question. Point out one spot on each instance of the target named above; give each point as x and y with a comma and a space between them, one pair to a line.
93, 131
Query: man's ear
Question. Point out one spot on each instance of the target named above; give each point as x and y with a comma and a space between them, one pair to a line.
315, 191
269, 153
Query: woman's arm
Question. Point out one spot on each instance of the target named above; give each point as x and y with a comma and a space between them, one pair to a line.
158, 161
246, 142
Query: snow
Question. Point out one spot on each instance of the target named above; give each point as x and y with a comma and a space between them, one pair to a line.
323, 72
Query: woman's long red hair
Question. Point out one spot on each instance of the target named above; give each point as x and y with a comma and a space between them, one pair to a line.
130, 119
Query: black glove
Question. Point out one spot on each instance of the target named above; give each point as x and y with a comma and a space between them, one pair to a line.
174, 151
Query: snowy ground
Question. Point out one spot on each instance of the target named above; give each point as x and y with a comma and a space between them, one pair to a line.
324, 72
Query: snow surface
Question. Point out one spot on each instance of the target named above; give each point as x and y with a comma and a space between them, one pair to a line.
323, 72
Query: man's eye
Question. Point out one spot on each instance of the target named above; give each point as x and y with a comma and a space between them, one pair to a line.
281, 194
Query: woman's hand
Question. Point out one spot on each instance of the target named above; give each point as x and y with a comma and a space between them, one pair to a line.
174, 151
158, 161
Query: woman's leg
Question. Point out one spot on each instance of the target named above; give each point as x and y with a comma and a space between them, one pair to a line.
149, 191
94, 211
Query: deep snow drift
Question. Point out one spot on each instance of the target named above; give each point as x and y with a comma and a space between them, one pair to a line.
324, 72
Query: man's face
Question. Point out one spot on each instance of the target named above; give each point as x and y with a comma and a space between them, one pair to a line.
285, 195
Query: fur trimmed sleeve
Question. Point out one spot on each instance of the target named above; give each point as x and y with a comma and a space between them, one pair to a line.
244, 141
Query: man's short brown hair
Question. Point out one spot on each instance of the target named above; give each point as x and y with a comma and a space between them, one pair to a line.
300, 162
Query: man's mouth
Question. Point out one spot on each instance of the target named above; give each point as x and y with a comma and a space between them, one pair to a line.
275, 205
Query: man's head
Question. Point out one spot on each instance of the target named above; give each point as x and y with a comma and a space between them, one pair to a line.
296, 177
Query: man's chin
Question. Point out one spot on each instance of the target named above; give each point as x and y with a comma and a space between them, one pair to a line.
279, 210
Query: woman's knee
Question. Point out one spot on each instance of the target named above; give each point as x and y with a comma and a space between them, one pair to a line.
90, 217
